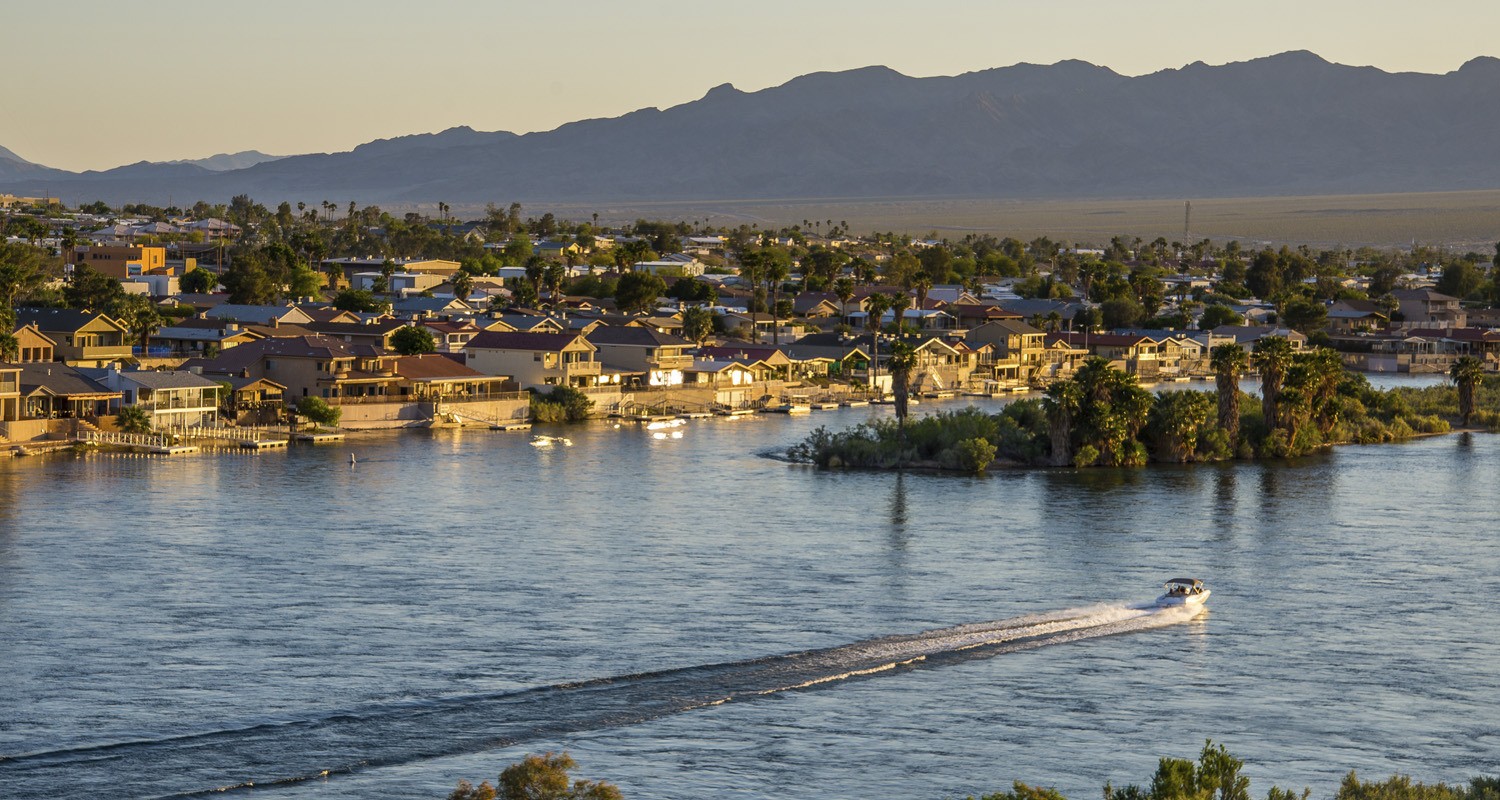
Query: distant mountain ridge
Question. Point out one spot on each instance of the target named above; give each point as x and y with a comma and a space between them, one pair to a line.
1286, 124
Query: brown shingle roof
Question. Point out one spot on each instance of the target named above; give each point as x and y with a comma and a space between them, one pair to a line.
523, 340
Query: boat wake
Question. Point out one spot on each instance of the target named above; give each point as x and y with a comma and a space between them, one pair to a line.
290, 751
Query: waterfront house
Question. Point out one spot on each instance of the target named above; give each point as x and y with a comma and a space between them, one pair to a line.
1425, 308
1247, 335
82, 338
535, 360
10, 392
172, 399
1136, 354
661, 357
309, 366
53, 391
1019, 352
713, 372
432, 378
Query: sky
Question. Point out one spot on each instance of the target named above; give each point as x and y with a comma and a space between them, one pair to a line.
93, 84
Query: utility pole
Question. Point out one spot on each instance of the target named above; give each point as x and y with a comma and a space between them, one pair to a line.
1187, 221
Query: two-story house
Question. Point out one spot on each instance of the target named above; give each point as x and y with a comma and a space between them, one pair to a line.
1425, 308
660, 357
173, 399
81, 338
1135, 354
1020, 350
535, 360
311, 366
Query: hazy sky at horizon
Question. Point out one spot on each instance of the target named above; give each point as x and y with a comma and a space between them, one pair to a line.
93, 84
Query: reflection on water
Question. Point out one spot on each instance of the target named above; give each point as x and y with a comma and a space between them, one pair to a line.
168, 597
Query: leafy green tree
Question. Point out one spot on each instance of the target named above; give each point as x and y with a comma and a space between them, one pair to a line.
1122, 312
692, 290
358, 301
133, 419
697, 324
1466, 374
22, 271
318, 410
1217, 314
1460, 279
1228, 361
92, 289
543, 777
198, 281
1305, 314
638, 291
248, 282
1020, 791
413, 340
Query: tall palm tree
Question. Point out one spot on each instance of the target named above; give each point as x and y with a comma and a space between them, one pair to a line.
902, 362
1228, 361
843, 288
1272, 356
900, 302
1466, 374
777, 271
1063, 401
697, 324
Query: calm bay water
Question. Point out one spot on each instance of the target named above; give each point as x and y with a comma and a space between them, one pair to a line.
449, 603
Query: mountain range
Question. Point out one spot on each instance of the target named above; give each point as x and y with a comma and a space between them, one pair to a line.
1290, 124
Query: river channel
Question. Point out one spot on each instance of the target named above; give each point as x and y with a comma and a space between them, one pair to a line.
690, 619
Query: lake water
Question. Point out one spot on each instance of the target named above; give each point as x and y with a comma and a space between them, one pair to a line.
690, 619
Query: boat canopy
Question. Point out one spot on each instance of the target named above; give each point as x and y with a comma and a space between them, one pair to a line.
1193, 582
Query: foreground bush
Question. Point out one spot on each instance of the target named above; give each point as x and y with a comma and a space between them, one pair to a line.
1217, 776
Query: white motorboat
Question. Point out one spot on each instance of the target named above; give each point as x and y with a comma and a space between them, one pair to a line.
1184, 592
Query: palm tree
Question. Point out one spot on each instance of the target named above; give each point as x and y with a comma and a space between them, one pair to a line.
1228, 361
697, 324
900, 302
843, 288
1272, 356
1466, 374
463, 284
133, 419
902, 362
1063, 401
922, 284
777, 270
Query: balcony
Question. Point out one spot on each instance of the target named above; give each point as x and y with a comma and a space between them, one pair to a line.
579, 369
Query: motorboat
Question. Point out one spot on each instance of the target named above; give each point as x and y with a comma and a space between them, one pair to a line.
548, 441
1184, 592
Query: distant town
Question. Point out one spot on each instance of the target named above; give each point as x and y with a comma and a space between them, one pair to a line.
238, 324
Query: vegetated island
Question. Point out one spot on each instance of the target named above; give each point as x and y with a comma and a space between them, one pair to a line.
1101, 416
1216, 775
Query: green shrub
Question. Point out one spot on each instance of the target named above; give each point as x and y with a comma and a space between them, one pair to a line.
316, 409
975, 454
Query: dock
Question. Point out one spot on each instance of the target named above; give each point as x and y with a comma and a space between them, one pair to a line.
511, 426
320, 438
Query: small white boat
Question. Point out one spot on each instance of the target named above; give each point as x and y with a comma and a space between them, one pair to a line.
1184, 592
548, 441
